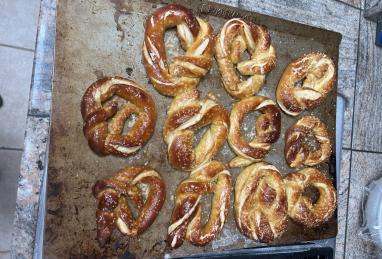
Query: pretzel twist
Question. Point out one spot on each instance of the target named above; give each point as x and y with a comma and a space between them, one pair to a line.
298, 151
261, 202
105, 137
146, 190
186, 115
305, 83
267, 130
186, 222
196, 37
234, 39
300, 208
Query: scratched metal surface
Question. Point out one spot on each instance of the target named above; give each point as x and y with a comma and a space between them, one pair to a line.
103, 38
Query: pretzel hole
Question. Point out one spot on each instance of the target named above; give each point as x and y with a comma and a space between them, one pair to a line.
172, 45
198, 135
312, 194
300, 82
248, 126
129, 123
311, 143
133, 208
206, 204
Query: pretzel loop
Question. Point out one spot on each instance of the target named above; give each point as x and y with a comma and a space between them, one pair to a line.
234, 39
196, 37
186, 220
146, 190
105, 137
267, 130
261, 203
187, 114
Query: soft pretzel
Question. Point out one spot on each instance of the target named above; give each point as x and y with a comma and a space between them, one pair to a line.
267, 129
146, 190
305, 83
298, 151
301, 208
235, 37
105, 137
187, 114
261, 202
196, 37
186, 222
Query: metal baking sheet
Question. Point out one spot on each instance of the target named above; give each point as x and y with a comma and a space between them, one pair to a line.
103, 38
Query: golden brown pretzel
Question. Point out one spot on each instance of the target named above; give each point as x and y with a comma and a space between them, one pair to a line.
235, 37
197, 38
261, 202
186, 220
301, 208
105, 137
188, 113
305, 83
267, 130
146, 190
297, 148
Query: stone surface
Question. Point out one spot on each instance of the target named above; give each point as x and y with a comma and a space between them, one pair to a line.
367, 114
15, 80
373, 9
365, 167
31, 170
9, 173
355, 3
19, 20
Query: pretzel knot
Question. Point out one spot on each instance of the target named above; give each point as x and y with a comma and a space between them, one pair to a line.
234, 39
305, 83
186, 222
105, 137
145, 189
261, 203
196, 37
186, 115
267, 130
300, 207
307, 142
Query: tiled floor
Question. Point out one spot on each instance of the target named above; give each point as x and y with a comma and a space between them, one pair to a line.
18, 27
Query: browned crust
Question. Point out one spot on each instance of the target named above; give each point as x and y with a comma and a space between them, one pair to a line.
111, 195
96, 128
300, 208
174, 79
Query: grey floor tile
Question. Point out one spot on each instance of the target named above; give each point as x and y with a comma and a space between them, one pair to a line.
5, 255
15, 78
18, 22
365, 167
9, 173
368, 98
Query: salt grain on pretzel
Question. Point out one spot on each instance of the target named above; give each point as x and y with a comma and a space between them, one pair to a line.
197, 38
186, 222
307, 142
261, 203
305, 83
302, 209
235, 38
187, 114
145, 189
267, 130
105, 137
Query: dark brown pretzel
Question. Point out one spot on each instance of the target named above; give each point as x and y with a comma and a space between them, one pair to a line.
112, 207
267, 130
297, 151
106, 138
197, 39
305, 83
188, 113
186, 220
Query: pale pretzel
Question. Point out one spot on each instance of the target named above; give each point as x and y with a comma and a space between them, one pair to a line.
187, 114
305, 83
197, 38
300, 207
146, 190
298, 151
186, 222
236, 37
105, 137
267, 130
